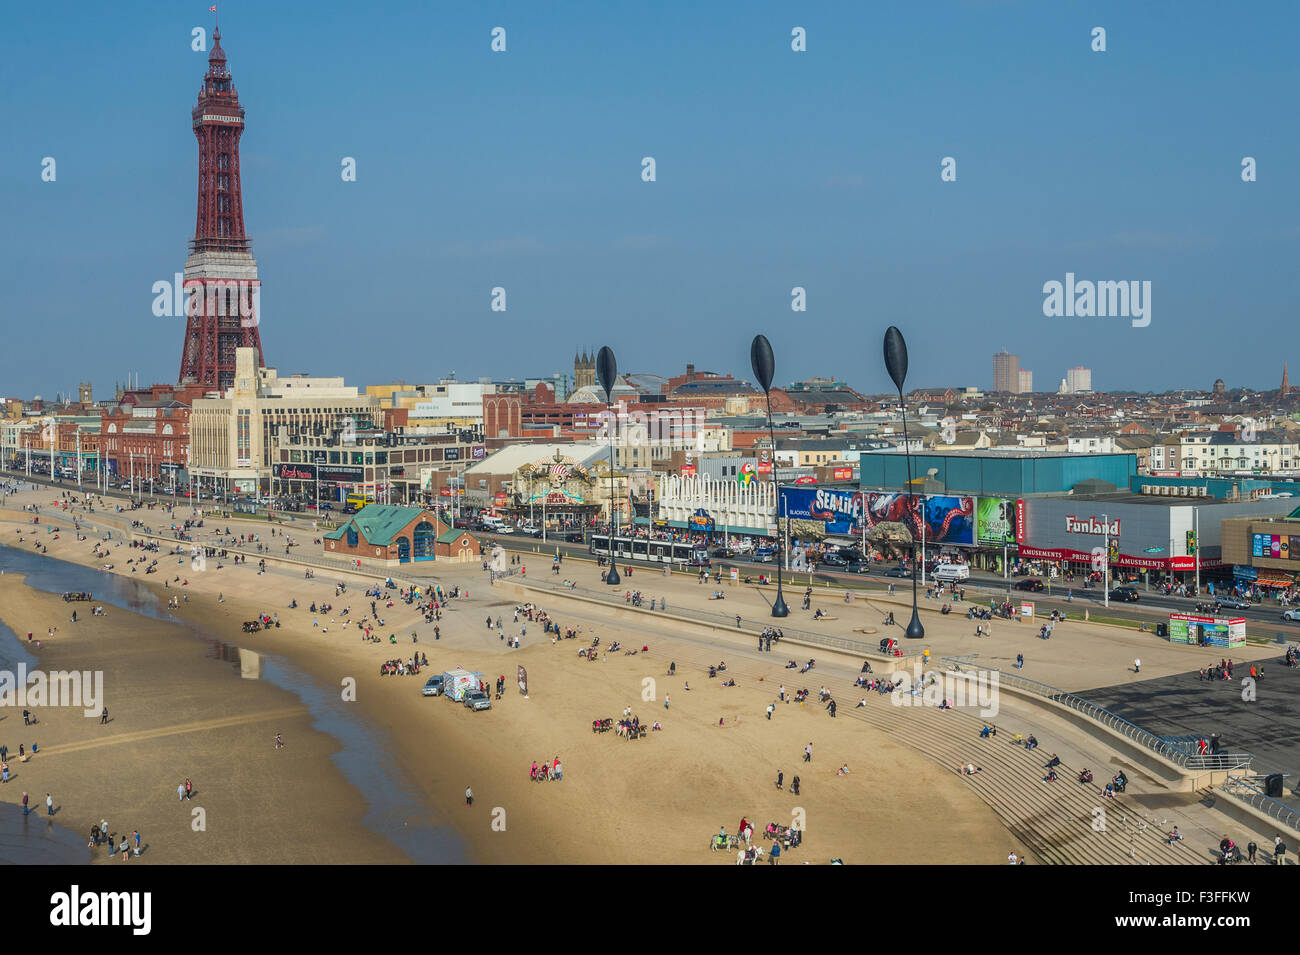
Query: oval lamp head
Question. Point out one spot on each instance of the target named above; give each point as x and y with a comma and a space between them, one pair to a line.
607, 371
762, 361
896, 356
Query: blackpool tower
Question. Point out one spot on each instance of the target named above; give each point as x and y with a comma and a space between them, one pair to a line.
222, 291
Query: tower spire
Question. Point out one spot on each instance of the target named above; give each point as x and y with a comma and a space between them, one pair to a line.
220, 274
1285, 390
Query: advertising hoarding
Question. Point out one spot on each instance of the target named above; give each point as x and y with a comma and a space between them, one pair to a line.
1207, 631
950, 520
995, 521
839, 511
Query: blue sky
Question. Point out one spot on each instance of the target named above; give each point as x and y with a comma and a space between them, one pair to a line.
775, 169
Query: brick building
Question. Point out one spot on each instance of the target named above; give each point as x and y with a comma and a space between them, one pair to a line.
381, 535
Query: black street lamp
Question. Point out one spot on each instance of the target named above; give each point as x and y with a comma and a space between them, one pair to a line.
607, 372
764, 365
896, 364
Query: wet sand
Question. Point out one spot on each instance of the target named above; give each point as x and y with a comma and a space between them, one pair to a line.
176, 712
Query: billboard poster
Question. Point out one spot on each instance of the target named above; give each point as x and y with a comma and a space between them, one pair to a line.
950, 520
840, 512
995, 521
701, 521
522, 677
887, 507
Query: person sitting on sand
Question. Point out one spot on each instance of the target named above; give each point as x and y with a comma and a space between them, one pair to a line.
843, 770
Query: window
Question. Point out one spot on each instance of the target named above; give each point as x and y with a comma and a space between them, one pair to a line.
352, 536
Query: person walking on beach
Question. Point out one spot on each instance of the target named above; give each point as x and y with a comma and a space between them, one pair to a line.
103, 717
667, 700
770, 708
180, 793
279, 742
137, 842
26, 808
189, 789
1137, 665
469, 796
807, 753
49, 804
780, 779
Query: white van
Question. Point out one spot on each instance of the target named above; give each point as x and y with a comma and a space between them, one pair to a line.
950, 573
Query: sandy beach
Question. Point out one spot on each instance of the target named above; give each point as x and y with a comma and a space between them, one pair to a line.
656, 800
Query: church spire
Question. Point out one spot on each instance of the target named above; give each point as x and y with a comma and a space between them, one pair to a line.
1286, 385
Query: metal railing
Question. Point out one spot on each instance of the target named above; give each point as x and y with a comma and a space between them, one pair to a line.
1117, 724
180, 548
745, 625
1243, 791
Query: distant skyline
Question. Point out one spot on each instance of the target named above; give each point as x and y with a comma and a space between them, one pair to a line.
775, 169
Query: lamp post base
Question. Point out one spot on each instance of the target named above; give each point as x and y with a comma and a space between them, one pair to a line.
779, 609
914, 629
612, 578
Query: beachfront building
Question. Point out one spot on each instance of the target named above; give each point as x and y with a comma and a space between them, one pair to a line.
232, 437
383, 535
68, 444
744, 506
409, 465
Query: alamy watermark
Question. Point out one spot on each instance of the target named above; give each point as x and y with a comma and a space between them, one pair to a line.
948, 688
1085, 299
224, 298
654, 429
35, 688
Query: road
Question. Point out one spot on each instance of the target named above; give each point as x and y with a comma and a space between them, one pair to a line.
1151, 606
1264, 620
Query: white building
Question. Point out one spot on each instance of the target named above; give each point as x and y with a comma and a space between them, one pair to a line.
732, 507
1078, 380
1226, 452
231, 437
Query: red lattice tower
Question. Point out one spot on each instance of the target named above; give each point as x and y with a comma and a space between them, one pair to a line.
221, 283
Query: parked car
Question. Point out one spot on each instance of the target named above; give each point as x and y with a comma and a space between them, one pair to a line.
898, 572
477, 700
1033, 585
1123, 594
433, 687
834, 560
1292, 614
575, 537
